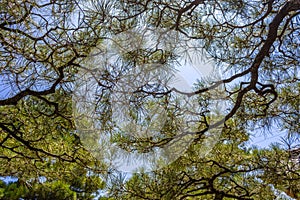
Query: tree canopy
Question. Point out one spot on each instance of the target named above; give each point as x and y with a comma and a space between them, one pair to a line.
85, 83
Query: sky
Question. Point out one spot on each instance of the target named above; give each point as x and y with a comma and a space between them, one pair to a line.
187, 75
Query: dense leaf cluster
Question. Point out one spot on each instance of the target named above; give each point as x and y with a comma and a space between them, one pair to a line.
43, 50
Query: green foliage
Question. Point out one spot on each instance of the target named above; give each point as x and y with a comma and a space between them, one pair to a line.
45, 44
228, 171
75, 185
45, 146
